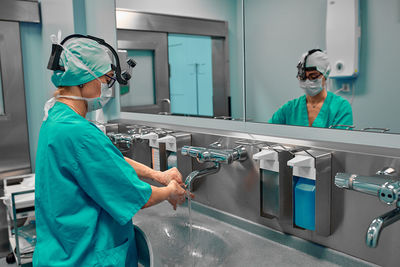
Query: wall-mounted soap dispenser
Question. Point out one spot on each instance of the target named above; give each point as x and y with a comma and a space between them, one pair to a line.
275, 183
312, 190
172, 144
158, 154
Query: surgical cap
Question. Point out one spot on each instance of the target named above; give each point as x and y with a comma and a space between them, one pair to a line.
90, 53
320, 61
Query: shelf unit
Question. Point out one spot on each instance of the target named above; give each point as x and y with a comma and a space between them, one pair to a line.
20, 203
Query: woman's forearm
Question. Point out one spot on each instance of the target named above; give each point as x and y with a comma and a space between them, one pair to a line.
144, 171
158, 194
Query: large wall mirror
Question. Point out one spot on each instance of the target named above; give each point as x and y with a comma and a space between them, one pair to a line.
183, 64
277, 33
265, 40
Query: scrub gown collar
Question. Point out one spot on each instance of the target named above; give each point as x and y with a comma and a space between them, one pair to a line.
320, 120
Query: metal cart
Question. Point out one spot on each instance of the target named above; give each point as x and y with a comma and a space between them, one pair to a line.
19, 199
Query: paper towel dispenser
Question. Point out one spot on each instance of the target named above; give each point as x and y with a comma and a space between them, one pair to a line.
343, 37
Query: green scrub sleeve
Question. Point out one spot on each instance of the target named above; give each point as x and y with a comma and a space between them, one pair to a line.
107, 178
344, 115
279, 115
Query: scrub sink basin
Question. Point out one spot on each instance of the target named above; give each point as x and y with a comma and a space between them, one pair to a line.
169, 237
221, 239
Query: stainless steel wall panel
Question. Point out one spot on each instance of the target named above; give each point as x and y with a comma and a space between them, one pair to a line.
236, 189
133, 20
24, 11
14, 146
221, 90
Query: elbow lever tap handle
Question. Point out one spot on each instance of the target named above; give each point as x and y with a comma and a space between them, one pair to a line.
384, 187
215, 155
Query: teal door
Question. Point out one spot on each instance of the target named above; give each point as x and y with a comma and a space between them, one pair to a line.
191, 84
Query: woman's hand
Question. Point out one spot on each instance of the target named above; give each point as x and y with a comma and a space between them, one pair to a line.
176, 194
167, 176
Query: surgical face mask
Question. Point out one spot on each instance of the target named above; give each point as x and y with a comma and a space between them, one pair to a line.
92, 103
311, 88
96, 102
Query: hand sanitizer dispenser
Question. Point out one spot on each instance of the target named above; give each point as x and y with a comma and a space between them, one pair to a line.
275, 183
312, 190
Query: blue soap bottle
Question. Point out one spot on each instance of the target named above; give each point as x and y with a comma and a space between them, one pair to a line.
304, 175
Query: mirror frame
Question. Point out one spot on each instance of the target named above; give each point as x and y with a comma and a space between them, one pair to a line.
335, 139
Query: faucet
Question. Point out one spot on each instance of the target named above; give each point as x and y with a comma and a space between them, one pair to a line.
200, 173
216, 156
125, 140
168, 112
385, 187
227, 156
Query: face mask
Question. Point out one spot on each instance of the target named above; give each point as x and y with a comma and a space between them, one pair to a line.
94, 103
311, 88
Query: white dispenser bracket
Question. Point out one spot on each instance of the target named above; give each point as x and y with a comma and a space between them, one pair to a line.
170, 142
152, 137
268, 159
303, 166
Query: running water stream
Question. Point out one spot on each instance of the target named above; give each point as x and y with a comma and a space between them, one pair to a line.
191, 247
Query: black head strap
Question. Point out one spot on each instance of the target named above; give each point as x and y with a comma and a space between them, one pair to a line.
56, 50
301, 66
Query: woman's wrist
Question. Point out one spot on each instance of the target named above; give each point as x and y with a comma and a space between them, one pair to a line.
158, 176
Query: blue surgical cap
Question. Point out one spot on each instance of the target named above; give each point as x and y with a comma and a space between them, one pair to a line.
89, 53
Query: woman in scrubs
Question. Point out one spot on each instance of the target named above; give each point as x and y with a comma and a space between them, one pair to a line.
318, 107
86, 191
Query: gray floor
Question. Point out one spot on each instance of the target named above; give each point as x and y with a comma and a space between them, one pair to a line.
3, 263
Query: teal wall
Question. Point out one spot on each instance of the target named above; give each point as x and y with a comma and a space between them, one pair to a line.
69, 16
278, 32
36, 47
228, 10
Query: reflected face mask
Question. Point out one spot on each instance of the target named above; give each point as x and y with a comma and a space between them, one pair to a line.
311, 88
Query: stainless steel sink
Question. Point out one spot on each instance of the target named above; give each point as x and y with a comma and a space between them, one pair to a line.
224, 242
169, 237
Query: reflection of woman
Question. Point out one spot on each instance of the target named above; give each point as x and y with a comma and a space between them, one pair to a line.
318, 107
86, 191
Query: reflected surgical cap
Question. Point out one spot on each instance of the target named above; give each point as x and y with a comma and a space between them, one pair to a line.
320, 61
90, 53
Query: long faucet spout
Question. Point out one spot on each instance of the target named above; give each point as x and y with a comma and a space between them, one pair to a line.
200, 173
378, 224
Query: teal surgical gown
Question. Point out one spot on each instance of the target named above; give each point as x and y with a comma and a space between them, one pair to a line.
335, 111
86, 195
